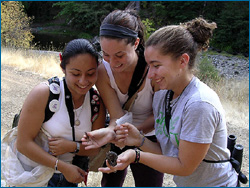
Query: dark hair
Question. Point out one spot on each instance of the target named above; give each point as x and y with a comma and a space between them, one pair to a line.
129, 19
76, 47
190, 37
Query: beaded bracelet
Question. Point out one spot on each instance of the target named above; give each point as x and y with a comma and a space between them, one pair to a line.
137, 155
56, 164
143, 139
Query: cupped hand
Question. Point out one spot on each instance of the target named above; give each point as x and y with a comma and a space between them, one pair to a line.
124, 159
98, 138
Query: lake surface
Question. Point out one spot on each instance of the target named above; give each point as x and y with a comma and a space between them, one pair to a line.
52, 42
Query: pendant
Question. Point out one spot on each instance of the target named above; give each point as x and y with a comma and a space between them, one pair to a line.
77, 122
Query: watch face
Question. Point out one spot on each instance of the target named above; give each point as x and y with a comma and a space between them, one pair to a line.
77, 147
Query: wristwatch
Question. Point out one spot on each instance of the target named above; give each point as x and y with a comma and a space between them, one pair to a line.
77, 148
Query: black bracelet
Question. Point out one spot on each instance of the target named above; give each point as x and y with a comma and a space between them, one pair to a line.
137, 155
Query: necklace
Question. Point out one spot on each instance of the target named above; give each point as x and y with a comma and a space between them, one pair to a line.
77, 121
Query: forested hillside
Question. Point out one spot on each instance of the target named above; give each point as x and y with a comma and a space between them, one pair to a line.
232, 17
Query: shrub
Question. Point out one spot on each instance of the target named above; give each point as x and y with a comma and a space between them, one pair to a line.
207, 71
148, 27
15, 30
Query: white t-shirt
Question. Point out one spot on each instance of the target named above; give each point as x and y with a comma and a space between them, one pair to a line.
197, 116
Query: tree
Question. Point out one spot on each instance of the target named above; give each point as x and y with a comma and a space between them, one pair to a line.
15, 30
232, 34
87, 15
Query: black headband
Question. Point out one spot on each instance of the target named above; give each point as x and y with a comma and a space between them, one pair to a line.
117, 31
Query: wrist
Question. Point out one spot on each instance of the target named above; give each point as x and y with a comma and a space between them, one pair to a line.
76, 148
141, 140
137, 155
56, 164
111, 133
61, 166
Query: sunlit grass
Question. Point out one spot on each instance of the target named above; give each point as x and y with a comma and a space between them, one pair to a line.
44, 63
234, 95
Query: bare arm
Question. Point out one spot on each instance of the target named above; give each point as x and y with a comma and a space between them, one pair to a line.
130, 136
31, 119
109, 96
190, 156
100, 137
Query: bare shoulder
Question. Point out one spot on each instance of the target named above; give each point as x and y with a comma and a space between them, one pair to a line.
103, 78
38, 95
102, 72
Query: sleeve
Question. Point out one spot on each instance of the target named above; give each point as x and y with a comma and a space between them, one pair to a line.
200, 120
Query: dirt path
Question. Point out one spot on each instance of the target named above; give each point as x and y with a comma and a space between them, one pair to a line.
15, 86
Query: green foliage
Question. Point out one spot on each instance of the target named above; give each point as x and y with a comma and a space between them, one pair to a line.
87, 15
148, 27
232, 34
232, 17
85, 36
15, 30
207, 71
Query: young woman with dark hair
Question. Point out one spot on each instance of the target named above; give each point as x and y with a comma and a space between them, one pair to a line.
79, 62
122, 45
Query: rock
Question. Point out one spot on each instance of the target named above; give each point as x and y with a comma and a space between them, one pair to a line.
231, 66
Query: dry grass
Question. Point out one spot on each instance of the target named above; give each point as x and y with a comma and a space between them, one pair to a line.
44, 63
234, 96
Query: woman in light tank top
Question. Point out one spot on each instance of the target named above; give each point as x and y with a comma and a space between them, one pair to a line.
190, 123
122, 44
79, 62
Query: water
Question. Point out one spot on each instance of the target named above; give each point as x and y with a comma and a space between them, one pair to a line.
51, 42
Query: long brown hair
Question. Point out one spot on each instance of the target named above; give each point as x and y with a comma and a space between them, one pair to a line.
190, 37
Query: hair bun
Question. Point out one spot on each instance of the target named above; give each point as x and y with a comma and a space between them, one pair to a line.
201, 31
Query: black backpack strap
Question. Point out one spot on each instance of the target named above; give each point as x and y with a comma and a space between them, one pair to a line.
138, 76
221, 161
70, 107
168, 98
94, 103
53, 103
51, 108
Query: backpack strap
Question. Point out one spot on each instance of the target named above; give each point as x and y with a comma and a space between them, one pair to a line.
94, 103
138, 77
70, 107
53, 103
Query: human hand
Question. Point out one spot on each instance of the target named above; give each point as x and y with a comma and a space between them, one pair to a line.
98, 138
59, 146
127, 134
74, 174
124, 159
